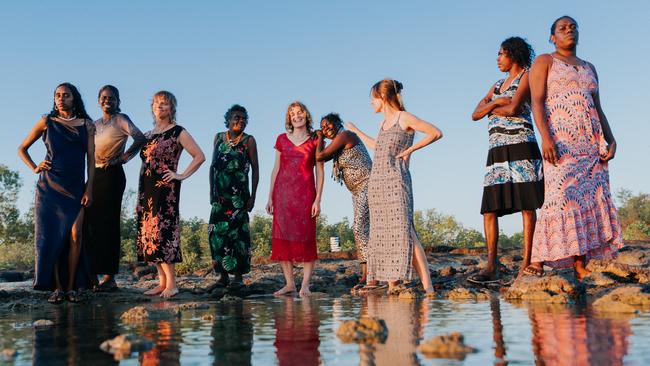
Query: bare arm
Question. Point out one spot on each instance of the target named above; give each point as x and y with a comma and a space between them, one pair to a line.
538, 76
367, 140
86, 200
129, 128
188, 143
36, 133
431, 133
252, 155
486, 105
521, 96
338, 144
274, 174
604, 123
320, 180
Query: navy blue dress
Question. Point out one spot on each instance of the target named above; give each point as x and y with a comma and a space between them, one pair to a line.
58, 203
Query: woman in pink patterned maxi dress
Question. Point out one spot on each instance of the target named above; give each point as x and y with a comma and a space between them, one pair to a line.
578, 220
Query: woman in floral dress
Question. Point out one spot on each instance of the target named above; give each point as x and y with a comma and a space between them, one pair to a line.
578, 220
235, 154
159, 232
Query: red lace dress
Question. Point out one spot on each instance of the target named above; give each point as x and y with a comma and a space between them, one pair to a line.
294, 191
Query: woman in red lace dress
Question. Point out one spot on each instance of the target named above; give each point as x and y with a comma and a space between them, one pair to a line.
294, 198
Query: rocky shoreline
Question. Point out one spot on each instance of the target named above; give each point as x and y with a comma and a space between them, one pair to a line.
621, 285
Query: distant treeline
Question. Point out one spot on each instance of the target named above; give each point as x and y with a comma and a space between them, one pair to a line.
433, 228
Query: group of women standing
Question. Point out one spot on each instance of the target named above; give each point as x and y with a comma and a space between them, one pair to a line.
568, 180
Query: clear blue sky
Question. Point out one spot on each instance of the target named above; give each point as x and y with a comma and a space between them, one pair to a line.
265, 54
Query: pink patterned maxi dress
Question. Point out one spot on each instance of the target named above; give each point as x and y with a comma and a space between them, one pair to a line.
578, 216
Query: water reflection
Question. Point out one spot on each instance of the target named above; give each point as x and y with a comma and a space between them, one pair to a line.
497, 333
568, 337
296, 332
405, 320
168, 340
232, 334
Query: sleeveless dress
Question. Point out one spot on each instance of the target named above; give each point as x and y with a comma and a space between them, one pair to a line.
159, 232
390, 198
294, 192
228, 230
58, 203
352, 167
578, 216
513, 177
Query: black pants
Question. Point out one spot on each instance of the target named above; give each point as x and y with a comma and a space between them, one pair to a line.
102, 222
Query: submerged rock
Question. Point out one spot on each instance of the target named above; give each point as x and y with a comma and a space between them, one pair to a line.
451, 345
135, 314
123, 345
230, 298
626, 299
366, 330
558, 288
42, 323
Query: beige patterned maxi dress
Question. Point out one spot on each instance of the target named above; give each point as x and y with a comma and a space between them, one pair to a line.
390, 197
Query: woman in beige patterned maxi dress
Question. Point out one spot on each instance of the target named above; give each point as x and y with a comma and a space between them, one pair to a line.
394, 249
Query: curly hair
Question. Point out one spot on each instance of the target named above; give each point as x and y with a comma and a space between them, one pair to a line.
233, 109
389, 91
287, 119
114, 91
169, 98
78, 107
519, 51
334, 119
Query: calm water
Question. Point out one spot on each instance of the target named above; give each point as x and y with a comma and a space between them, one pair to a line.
291, 331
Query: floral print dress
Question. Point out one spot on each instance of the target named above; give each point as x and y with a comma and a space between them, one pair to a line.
228, 231
159, 232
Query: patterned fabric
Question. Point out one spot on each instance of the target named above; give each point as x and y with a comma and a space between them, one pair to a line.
513, 174
294, 192
58, 203
228, 231
578, 216
159, 232
353, 166
390, 197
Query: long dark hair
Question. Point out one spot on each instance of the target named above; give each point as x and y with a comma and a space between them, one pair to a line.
78, 104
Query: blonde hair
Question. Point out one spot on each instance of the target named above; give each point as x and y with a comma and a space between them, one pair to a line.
169, 98
389, 91
287, 120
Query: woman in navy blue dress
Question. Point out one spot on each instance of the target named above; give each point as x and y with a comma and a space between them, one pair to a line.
62, 192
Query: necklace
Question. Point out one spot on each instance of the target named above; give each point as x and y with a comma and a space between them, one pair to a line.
67, 119
235, 141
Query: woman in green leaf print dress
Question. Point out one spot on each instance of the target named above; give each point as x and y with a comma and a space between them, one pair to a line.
235, 153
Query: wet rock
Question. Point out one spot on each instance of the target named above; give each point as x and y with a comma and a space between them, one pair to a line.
469, 262
635, 257
624, 299
451, 345
135, 314
618, 269
366, 330
123, 345
42, 323
230, 298
8, 354
559, 288
191, 306
409, 293
447, 271
598, 279
463, 293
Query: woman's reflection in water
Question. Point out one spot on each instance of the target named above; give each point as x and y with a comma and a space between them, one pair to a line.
566, 337
167, 338
405, 320
233, 334
497, 333
296, 332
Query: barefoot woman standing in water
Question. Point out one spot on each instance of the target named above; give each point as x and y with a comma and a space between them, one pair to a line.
294, 198
394, 249
578, 220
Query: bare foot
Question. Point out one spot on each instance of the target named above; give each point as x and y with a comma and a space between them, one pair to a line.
285, 290
155, 291
582, 273
169, 292
304, 291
